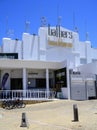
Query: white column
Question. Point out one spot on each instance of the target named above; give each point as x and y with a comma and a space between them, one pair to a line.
38, 48
68, 82
24, 82
47, 82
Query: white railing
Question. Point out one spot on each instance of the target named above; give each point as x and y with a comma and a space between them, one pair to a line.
27, 94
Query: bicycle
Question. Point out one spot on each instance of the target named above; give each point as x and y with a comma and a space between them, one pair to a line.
18, 104
10, 104
7, 104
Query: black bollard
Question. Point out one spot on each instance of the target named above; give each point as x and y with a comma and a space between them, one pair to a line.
23, 121
75, 111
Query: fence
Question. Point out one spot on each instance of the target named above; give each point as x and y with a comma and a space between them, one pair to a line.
27, 94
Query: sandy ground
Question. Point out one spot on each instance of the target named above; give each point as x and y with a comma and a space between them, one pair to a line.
55, 115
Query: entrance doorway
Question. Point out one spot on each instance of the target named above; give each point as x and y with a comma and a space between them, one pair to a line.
16, 84
60, 79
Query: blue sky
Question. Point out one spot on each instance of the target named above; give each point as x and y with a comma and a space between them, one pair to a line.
81, 13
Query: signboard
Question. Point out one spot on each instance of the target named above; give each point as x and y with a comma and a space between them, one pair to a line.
59, 33
59, 43
8, 55
58, 37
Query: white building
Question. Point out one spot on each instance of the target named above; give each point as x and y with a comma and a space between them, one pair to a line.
55, 59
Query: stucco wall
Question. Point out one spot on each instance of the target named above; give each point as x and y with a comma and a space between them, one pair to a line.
30, 47
34, 47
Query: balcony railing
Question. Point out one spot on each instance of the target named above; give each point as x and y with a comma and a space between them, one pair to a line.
27, 94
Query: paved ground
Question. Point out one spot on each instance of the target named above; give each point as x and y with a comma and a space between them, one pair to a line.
55, 115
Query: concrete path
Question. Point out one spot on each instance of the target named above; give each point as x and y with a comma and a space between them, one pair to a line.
55, 115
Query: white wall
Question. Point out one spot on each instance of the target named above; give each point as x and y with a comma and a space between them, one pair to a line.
43, 37
88, 68
76, 47
60, 54
12, 46
88, 51
30, 47
16, 47
64, 92
42, 42
82, 50
94, 53
76, 59
6, 45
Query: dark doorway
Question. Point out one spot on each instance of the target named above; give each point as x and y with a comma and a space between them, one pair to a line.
16, 84
41, 83
60, 79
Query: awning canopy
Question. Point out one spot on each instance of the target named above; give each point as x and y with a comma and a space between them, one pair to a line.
14, 63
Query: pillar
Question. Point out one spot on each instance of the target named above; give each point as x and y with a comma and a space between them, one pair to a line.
24, 81
47, 82
68, 82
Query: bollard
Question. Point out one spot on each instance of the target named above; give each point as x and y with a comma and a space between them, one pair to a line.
24, 120
75, 111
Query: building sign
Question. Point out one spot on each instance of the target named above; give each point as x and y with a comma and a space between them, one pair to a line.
59, 43
8, 55
59, 33
58, 37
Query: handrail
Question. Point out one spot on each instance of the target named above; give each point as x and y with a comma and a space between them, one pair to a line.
27, 94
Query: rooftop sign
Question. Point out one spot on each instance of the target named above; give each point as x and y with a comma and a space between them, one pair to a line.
58, 37
59, 33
